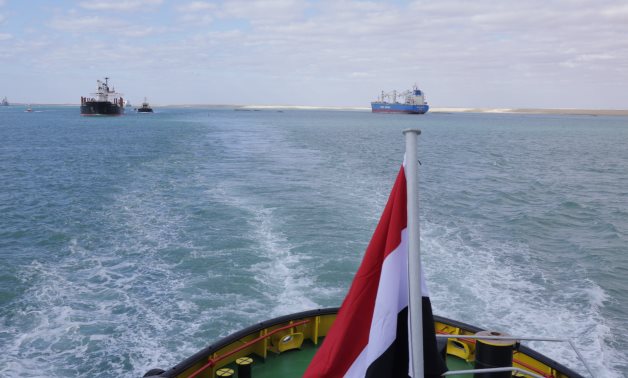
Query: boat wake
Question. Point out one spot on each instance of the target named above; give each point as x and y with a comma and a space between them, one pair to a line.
491, 284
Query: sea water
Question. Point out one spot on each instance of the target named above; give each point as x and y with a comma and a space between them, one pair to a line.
131, 242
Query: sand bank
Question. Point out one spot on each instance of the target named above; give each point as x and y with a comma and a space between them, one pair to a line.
591, 112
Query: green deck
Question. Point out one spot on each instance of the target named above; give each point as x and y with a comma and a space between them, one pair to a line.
293, 363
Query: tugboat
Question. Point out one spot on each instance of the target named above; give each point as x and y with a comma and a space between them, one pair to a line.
414, 102
371, 333
101, 104
145, 107
5, 102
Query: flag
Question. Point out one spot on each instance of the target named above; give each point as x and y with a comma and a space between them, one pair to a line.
369, 337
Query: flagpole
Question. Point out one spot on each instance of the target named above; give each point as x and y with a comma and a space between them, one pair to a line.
414, 255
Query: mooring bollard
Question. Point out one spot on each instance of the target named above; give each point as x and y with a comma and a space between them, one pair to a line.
225, 372
244, 367
493, 354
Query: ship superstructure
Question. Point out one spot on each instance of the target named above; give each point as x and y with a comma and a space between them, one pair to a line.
413, 102
106, 101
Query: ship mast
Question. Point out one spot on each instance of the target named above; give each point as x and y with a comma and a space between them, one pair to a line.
415, 314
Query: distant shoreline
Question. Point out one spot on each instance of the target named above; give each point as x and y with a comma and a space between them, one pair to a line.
589, 112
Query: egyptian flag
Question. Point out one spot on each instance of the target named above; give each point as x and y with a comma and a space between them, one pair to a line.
369, 337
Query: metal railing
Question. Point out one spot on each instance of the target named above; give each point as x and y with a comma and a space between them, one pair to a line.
214, 360
482, 337
494, 370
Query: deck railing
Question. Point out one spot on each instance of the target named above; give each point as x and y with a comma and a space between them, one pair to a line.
486, 337
213, 361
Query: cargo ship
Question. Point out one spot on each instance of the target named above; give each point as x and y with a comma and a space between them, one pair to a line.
414, 102
106, 101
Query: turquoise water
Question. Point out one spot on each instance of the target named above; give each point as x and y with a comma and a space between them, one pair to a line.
132, 242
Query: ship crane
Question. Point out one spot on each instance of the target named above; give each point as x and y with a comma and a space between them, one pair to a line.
406, 95
412, 96
392, 96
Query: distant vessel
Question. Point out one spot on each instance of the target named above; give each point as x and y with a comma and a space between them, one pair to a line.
5, 102
101, 104
414, 102
145, 107
28, 109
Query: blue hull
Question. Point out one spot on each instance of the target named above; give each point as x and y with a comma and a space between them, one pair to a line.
385, 107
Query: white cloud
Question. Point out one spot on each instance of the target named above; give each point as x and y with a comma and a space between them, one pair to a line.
120, 5
272, 12
360, 74
102, 25
196, 18
594, 57
264, 12
467, 45
619, 11
5, 36
88, 24
132, 31
196, 6
586, 59
197, 12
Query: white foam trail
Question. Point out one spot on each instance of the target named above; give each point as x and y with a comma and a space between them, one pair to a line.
281, 274
111, 310
496, 286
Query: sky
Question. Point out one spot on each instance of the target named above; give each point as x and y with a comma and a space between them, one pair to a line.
480, 53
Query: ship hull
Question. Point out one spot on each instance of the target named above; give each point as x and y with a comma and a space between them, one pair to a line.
385, 107
266, 344
92, 108
144, 110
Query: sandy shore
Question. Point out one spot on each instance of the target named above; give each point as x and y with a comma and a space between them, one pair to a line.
301, 107
591, 112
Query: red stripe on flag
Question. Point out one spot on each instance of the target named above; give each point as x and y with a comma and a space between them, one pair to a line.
350, 331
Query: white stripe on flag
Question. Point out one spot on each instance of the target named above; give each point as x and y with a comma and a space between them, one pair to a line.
392, 297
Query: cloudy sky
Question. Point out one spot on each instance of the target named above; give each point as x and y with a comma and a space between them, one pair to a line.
480, 53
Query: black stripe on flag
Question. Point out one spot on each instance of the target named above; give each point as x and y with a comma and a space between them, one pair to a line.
393, 363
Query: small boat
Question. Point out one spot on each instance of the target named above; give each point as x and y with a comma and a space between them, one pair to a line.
145, 108
106, 101
4, 102
414, 102
382, 326
28, 109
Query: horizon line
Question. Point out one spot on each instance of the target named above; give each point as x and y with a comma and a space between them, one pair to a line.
486, 110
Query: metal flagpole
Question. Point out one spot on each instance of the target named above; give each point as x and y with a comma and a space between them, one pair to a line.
415, 301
